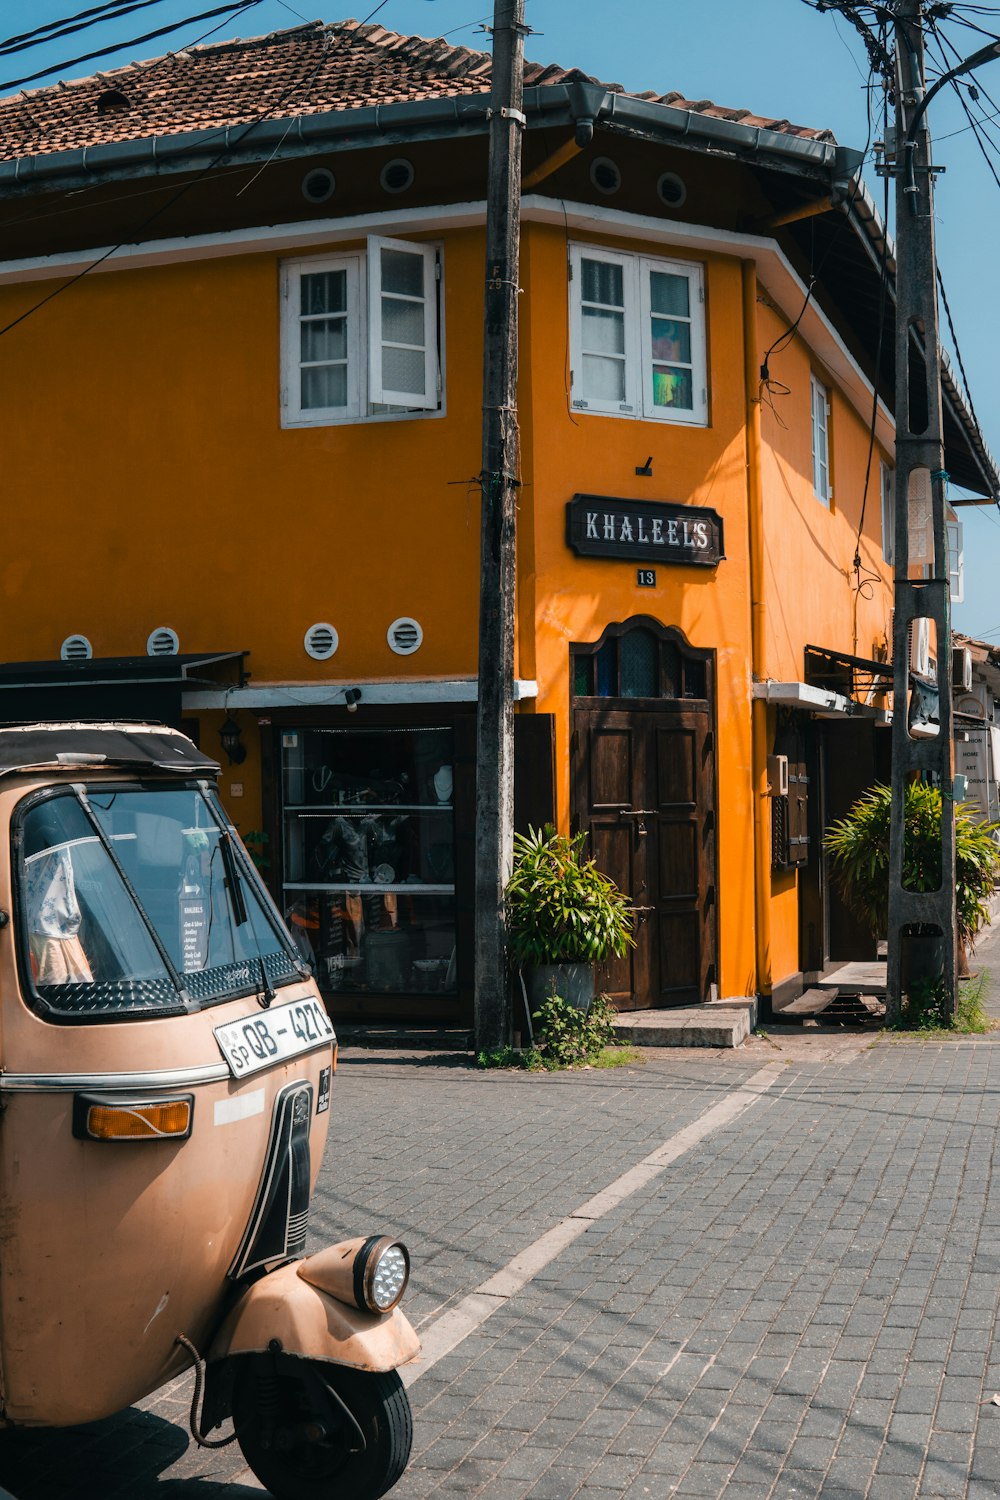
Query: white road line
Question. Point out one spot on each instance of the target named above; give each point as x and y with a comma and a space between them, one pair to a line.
446, 1332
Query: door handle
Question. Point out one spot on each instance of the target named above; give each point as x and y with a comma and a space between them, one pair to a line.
639, 912
642, 813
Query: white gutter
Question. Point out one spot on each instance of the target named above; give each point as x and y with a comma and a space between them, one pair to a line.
263, 695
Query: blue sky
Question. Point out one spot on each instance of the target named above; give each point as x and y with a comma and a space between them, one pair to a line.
776, 57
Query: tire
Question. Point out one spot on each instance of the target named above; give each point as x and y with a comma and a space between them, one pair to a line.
296, 1467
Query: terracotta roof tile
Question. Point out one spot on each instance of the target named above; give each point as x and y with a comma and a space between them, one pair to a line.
309, 69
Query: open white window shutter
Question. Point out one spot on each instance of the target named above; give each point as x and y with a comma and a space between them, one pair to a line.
402, 324
956, 561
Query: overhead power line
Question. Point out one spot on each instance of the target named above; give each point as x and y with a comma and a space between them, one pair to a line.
82, 21
234, 6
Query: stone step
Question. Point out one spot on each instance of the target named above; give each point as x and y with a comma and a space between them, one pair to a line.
716, 1024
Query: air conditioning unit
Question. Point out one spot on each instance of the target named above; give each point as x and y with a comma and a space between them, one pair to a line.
961, 669
973, 702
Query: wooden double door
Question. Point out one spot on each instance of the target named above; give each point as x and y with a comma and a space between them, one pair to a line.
644, 789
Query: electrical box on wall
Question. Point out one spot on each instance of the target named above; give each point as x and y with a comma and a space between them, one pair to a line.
777, 775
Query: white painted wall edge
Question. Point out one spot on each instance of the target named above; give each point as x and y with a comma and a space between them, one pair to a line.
331, 694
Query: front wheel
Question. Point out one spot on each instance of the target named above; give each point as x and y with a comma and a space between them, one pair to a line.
312, 1431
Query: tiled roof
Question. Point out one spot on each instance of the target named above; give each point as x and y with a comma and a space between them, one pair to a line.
307, 70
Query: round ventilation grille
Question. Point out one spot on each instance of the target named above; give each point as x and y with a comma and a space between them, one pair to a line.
76, 648
671, 189
321, 641
405, 636
163, 642
396, 176
319, 185
605, 176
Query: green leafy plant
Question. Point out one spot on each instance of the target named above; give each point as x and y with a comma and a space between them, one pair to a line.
559, 907
926, 1009
566, 1036
859, 846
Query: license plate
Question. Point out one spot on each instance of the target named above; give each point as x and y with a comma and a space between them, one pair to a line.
272, 1036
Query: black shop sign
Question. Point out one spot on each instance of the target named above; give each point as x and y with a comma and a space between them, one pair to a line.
647, 531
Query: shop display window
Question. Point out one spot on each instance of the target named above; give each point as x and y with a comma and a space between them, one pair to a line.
369, 857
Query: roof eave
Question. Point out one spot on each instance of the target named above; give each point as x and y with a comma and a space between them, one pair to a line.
452, 115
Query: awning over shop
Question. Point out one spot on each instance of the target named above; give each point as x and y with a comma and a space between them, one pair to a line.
824, 702
113, 687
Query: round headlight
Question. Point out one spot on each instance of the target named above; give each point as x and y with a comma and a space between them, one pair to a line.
381, 1271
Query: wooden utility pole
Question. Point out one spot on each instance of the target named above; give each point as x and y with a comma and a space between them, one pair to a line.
920, 497
497, 570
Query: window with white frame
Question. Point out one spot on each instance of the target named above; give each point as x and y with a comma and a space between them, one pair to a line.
820, 400
361, 334
637, 336
956, 557
887, 477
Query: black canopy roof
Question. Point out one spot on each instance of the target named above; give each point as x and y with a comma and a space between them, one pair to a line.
94, 745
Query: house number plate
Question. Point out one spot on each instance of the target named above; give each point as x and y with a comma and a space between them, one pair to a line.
645, 578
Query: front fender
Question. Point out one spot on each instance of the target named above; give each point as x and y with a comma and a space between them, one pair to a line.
310, 1323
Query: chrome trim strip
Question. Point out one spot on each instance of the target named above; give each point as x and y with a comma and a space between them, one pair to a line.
123, 1083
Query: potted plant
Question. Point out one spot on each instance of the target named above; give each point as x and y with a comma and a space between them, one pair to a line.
563, 916
859, 846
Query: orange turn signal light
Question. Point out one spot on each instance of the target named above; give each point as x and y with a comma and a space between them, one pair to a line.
96, 1119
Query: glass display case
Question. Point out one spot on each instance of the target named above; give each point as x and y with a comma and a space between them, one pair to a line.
369, 856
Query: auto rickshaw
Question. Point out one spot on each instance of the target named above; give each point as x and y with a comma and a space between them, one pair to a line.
166, 1065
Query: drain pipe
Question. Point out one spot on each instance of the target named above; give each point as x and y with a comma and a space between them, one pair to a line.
758, 622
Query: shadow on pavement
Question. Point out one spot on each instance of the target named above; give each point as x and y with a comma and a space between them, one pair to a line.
126, 1455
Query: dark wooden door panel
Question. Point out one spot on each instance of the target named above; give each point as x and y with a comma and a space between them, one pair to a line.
679, 935
679, 865
677, 767
611, 766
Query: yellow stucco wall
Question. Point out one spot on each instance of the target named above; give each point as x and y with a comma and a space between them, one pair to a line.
149, 482
815, 596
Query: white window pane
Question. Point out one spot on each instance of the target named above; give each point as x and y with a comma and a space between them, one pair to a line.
324, 292
402, 272
323, 339
669, 294
324, 386
603, 379
403, 370
672, 388
603, 282
671, 340
402, 322
603, 331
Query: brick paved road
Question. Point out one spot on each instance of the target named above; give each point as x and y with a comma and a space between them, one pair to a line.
803, 1305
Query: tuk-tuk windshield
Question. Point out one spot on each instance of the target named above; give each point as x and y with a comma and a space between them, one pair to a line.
126, 908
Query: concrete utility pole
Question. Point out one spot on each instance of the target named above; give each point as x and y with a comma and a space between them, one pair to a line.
920, 501
497, 570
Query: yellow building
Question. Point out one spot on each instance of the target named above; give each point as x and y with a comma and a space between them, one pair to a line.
241, 293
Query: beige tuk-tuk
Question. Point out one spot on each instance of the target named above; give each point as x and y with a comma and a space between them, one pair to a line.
166, 1065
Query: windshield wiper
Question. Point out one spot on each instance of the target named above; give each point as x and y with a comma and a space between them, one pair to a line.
109, 848
234, 885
